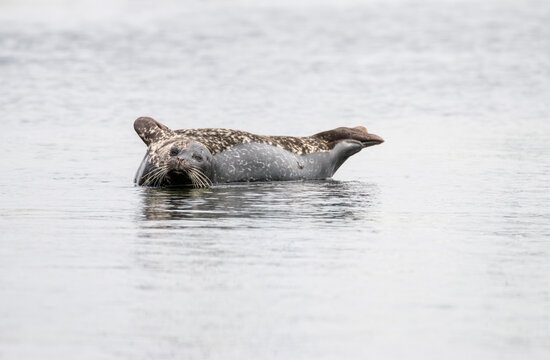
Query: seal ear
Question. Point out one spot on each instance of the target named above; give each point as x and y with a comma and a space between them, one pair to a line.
149, 130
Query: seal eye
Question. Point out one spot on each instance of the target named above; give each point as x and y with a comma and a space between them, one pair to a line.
174, 151
197, 157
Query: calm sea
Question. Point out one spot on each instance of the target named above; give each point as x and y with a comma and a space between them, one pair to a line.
433, 245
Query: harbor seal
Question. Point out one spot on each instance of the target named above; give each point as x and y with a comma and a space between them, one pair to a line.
203, 157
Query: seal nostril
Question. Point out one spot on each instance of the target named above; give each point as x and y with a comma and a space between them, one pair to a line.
183, 162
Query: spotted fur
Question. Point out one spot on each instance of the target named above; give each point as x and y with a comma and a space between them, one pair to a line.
235, 155
219, 140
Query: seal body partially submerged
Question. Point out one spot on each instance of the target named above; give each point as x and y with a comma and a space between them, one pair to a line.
202, 157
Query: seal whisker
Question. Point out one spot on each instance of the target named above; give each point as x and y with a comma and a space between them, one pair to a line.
156, 177
162, 175
151, 175
203, 179
159, 178
206, 180
192, 178
196, 179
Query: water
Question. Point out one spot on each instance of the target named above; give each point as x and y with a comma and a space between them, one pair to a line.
432, 245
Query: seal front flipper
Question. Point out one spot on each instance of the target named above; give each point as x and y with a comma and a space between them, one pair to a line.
150, 130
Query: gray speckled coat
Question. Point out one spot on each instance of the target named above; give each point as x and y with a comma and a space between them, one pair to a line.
225, 155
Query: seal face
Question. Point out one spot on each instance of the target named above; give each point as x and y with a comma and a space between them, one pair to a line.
202, 157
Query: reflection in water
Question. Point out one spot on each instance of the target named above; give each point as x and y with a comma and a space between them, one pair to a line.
207, 230
314, 200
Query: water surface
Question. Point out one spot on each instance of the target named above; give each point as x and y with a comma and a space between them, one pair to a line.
432, 245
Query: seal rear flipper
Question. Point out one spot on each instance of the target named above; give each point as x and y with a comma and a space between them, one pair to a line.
358, 133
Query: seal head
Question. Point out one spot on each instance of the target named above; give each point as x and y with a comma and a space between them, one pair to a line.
172, 159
